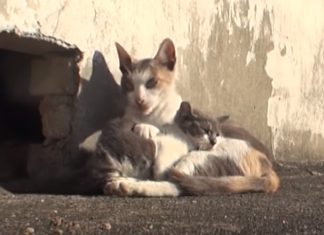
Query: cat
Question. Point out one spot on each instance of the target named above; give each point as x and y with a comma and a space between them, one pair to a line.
210, 163
149, 87
232, 165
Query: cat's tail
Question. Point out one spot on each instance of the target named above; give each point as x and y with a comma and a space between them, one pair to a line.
205, 185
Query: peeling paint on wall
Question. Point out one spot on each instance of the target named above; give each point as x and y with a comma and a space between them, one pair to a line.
296, 65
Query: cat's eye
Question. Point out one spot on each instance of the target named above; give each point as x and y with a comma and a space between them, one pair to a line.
127, 85
151, 83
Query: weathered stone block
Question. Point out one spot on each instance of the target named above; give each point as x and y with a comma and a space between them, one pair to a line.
57, 113
53, 75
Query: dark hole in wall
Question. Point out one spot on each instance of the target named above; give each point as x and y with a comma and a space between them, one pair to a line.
20, 120
22, 124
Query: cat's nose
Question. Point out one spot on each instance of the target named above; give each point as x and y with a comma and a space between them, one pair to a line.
139, 101
212, 141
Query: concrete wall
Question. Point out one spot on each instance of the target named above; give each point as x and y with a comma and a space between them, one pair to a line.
261, 61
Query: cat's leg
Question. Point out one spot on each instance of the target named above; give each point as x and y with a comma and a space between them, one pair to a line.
148, 188
128, 186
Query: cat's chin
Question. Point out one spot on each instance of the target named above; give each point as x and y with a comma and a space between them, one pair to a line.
146, 112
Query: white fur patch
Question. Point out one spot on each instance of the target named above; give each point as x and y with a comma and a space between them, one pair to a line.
150, 188
190, 161
90, 142
235, 149
169, 150
164, 105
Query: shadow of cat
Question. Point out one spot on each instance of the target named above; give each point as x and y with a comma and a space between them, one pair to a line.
99, 101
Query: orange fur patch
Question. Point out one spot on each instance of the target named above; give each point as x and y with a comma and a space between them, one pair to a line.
164, 77
256, 164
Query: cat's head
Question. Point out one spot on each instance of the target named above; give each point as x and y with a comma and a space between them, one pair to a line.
202, 131
147, 81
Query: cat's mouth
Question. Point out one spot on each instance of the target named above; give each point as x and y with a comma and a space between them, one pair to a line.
144, 109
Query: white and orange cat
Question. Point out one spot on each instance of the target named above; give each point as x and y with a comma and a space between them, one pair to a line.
149, 85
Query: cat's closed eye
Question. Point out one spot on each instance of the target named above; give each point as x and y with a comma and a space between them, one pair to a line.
151, 83
196, 129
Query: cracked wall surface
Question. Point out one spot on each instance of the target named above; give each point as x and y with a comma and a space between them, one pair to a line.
261, 61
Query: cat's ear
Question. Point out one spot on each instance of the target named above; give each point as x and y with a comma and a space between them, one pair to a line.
166, 55
223, 118
125, 61
185, 110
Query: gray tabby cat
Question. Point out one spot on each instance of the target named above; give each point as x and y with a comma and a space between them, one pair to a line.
232, 165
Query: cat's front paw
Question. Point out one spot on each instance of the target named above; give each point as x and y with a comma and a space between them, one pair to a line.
146, 130
118, 187
113, 188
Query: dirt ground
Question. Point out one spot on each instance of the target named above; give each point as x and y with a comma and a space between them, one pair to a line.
297, 208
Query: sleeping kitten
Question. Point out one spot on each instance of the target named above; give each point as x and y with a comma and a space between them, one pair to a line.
232, 166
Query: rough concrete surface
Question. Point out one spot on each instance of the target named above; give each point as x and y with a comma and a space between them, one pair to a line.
297, 208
